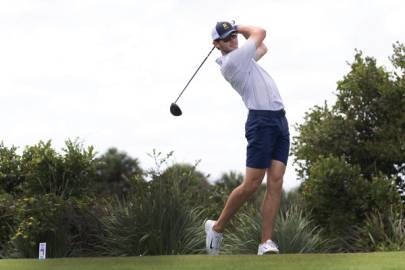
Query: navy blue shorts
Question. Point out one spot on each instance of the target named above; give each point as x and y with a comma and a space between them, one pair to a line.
268, 138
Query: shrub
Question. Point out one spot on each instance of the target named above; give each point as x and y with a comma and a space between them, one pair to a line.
46, 171
381, 232
7, 222
65, 225
158, 224
161, 217
40, 219
10, 170
294, 233
340, 198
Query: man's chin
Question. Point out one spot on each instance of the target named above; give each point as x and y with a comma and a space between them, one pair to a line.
230, 50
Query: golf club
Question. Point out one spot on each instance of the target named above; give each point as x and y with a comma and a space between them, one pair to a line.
174, 108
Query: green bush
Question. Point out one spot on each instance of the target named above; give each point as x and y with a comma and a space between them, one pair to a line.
7, 222
349, 152
66, 226
382, 231
157, 224
10, 170
335, 195
46, 171
294, 232
163, 216
115, 172
340, 198
40, 219
186, 182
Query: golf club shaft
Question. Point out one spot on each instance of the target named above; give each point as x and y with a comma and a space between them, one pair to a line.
194, 74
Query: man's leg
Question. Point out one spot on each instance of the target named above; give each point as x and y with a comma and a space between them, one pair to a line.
239, 195
271, 201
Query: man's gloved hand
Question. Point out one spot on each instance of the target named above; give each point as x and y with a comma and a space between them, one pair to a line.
234, 24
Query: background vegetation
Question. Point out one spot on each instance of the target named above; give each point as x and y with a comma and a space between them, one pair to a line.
350, 157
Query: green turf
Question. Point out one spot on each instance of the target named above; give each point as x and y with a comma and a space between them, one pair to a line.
366, 261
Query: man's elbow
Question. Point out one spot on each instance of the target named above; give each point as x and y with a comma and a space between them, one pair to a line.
264, 33
264, 49
261, 33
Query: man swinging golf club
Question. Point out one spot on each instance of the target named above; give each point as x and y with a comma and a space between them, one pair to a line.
266, 131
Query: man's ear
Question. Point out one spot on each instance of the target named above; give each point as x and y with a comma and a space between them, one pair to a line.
215, 43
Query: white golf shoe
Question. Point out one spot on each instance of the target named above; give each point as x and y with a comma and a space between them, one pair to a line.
213, 239
268, 247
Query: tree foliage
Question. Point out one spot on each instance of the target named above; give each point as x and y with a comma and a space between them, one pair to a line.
46, 171
349, 153
161, 216
366, 125
11, 177
116, 172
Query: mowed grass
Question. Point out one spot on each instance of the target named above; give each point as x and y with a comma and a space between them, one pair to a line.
366, 261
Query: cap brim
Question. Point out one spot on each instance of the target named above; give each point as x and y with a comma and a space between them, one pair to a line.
227, 34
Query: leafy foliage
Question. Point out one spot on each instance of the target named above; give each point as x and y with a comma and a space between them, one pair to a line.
115, 171
46, 171
10, 170
162, 216
365, 126
295, 232
381, 232
351, 154
44, 197
7, 222
340, 197
40, 218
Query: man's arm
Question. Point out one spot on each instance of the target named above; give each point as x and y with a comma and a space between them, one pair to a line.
256, 34
262, 50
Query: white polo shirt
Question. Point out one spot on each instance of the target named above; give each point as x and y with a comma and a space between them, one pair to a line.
256, 87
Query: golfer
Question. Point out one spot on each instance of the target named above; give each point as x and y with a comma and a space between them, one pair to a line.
266, 131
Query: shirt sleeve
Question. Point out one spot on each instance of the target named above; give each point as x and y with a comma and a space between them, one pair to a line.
242, 56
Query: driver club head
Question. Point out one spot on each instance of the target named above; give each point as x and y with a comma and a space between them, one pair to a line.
175, 109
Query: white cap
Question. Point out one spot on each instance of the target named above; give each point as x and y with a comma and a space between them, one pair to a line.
222, 30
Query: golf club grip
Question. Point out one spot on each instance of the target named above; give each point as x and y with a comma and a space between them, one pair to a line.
205, 59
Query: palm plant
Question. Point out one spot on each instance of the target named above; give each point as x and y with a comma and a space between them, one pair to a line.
381, 232
294, 232
156, 220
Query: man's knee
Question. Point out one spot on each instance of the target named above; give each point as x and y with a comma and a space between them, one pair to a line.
276, 174
276, 179
250, 187
253, 180
275, 183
